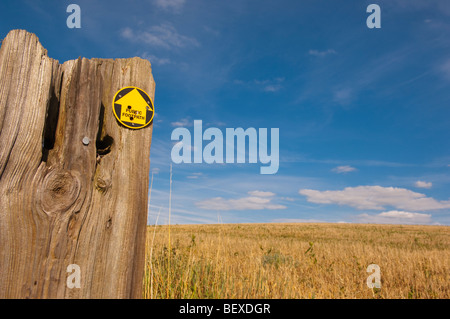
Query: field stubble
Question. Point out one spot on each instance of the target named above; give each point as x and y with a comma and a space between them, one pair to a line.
296, 261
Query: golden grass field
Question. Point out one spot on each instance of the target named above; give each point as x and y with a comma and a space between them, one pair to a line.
280, 261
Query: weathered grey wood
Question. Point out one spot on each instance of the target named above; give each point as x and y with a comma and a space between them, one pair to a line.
63, 202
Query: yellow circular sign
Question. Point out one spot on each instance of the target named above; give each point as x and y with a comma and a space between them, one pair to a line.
133, 107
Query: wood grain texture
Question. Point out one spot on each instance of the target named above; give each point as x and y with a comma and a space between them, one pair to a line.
63, 202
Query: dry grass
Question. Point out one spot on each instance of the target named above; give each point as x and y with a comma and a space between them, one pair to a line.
297, 261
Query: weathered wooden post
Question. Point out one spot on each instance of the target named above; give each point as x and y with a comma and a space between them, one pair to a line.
73, 180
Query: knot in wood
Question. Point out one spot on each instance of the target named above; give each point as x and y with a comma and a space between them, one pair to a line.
59, 191
103, 183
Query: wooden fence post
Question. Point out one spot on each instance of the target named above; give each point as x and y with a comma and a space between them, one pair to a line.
73, 180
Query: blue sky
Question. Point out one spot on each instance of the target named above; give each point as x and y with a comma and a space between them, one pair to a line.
363, 113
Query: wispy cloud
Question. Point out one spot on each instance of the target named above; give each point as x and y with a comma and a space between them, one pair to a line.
183, 122
396, 217
154, 60
422, 184
272, 85
252, 202
444, 69
376, 198
321, 53
261, 194
211, 31
344, 95
272, 88
194, 175
178, 216
174, 5
370, 163
163, 36
343, 169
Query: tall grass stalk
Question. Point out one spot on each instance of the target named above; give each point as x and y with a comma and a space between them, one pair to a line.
151, 255
147, 245
170, 247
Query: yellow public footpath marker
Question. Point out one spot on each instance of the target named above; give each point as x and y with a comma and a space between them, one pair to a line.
133, 107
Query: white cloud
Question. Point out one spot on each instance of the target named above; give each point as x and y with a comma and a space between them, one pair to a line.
261, 194
273, 85
272, 88
212, 31
175, 5
344, 96
445, 69
376, 197
194, 175
422, 184
289, 199
343, 169
155, 60
164, 36
257, 201
182, 123
127, 33
395, 217
322, 53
